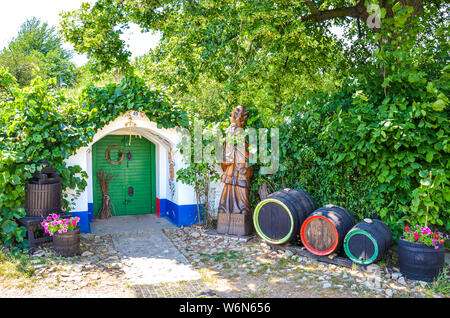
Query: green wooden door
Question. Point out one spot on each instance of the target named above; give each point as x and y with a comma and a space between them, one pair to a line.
133, 189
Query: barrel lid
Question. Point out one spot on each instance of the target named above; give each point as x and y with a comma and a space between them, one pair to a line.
368, 220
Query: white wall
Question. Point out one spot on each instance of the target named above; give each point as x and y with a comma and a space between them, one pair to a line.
79, 203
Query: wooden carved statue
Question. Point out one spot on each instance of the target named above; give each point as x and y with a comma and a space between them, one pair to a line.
234, 213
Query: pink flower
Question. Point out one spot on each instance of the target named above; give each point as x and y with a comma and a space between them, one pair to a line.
49, 218
46, 231
64, 230
59, 231
51, 234
54, 216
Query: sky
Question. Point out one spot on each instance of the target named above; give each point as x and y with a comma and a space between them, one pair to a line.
14, 12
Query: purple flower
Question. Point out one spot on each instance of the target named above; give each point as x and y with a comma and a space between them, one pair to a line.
436, 247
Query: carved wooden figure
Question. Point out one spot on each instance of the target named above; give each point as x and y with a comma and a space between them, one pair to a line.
234, 213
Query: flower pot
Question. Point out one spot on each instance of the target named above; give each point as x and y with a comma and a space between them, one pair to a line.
419, 261
67, 244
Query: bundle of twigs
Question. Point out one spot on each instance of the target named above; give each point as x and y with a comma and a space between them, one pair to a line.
104, 179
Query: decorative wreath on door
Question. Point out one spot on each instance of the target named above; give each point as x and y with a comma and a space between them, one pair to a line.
109, 159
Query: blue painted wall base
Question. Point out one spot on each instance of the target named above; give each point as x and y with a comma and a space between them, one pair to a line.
84, 221
179, 215
91, 212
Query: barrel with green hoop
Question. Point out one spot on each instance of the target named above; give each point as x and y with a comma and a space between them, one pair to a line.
368, 241
278, 218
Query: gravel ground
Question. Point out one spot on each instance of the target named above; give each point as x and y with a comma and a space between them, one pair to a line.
228, 267
97, 272
234, 268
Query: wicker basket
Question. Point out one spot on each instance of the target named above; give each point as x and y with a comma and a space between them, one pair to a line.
67, 244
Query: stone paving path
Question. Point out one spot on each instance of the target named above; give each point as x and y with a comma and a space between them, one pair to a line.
147, 255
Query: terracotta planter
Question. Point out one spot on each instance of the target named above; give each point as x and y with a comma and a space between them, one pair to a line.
419, 261
67, 244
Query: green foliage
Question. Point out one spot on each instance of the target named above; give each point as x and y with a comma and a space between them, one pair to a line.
214, 52
35, 123
429, 198
39, 122
101, 40
37, 50
106, 103
441, 284
199, 175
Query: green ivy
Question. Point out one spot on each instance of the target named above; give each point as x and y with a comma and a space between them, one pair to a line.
107, 103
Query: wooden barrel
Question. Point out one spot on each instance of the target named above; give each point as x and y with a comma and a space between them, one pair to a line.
420, 262
368, 241
323, 232
42, 199
67, 244
278, 218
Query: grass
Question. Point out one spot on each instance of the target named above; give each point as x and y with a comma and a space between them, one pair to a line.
13, 267
441, 285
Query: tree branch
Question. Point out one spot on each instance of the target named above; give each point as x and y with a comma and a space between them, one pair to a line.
311, 7
358, 11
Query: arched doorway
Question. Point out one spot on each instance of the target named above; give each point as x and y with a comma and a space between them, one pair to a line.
133, 189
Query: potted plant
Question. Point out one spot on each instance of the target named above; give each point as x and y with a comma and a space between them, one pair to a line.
421, 253
65, 233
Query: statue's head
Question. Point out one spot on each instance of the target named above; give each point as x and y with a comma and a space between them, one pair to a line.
239, 116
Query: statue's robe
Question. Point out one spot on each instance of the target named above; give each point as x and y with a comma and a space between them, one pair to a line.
236, 177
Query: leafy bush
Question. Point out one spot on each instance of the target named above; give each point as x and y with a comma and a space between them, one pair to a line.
35, 124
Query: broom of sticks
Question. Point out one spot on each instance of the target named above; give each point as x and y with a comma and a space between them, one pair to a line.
105, 178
